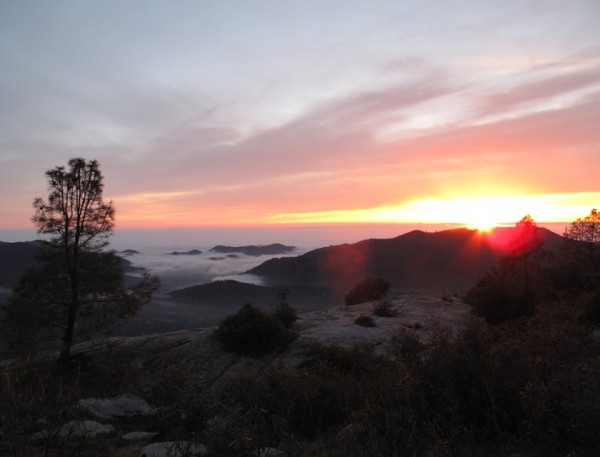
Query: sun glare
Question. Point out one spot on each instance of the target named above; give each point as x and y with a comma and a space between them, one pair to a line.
476, 213
482, 213
483, 224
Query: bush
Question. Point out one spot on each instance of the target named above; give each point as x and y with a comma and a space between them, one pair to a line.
284, 312
252, 332
527, 387
384, 309
501, 295
366, 290
364, 321
35, 397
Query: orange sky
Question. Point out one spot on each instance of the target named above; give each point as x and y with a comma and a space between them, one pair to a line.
305, 112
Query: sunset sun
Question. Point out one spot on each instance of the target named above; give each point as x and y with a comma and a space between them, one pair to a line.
482, 223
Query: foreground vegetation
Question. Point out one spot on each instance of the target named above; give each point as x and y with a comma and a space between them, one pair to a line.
521, 378
529, 386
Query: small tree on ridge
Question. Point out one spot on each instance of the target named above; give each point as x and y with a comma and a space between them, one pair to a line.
587, 230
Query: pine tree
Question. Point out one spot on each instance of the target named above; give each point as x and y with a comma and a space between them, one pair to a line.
78, 286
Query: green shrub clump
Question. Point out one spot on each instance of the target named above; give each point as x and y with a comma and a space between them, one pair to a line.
366, 290
252, 332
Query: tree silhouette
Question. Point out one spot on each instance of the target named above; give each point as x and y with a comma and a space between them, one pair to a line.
511, 289
78, 287
527, 241
587, 230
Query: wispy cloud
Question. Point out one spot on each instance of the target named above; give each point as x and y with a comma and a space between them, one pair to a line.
247, 118
542, 91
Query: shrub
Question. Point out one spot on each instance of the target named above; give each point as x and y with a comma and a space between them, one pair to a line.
501, 296
384, 309
446, 297
284, 312
182, 402
364, 321
34, 397
252, 332
527, 387
366, 290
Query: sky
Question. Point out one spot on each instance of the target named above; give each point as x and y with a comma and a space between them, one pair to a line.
275, 112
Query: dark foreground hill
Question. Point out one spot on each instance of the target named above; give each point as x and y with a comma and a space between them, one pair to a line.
15, 258
228, 296
446, 261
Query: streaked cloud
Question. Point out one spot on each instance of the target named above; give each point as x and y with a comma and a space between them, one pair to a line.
549, 208
284, 109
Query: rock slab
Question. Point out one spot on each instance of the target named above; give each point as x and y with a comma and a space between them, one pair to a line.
88, 429
138, 436
121, 406
173, 449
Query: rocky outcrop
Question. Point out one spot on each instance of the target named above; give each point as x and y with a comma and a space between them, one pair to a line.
122, 406
138, 436
78, 429
211, 362
173, 449
129, 423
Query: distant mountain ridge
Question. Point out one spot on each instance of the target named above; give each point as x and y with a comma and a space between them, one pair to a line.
269, 249
446, 261
190, 252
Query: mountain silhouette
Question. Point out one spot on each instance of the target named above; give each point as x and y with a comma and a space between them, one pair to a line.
446, 261
270, 249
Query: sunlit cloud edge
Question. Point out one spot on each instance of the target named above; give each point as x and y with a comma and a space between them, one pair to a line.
471, 211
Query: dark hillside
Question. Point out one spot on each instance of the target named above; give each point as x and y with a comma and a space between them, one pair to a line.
417, 261
228, 295
15, 258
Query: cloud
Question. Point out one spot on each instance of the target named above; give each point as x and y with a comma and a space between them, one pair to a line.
540, 90
306, 167
336, 135
242, 118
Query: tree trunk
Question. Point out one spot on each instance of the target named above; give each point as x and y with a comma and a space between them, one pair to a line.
65, 353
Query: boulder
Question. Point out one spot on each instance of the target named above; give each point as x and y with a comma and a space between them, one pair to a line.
121, 406
138, 436
269, 452
87, 429
173, 449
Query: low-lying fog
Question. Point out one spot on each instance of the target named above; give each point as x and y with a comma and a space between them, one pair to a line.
185, 270
154, 249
